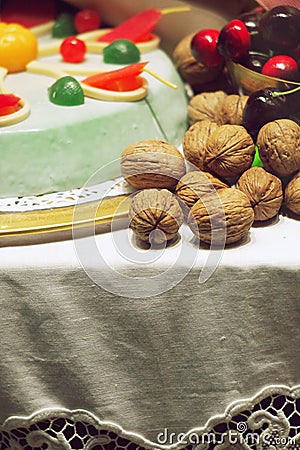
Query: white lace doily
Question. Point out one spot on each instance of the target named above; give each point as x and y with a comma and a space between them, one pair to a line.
268, 421
66, 198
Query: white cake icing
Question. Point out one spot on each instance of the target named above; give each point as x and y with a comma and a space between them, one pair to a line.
58, 148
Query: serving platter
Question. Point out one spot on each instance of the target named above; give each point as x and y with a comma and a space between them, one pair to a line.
64, 211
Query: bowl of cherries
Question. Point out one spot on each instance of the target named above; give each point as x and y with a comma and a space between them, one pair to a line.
261, 52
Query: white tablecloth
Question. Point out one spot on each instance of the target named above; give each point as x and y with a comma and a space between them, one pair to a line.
147, 363
78, 361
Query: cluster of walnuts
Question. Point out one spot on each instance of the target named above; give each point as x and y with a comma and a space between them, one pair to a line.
218, 153
168, 194
217, 142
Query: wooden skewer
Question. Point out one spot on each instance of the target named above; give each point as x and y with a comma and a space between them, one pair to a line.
176, 9
159, 78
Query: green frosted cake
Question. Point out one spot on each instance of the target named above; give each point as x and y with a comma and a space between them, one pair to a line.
59, 147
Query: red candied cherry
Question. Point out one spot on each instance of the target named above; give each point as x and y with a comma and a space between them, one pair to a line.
281, 66
204, 48
87, 20
73, 49
234, 40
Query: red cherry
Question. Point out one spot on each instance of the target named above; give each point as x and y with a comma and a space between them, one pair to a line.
87, 20
73, 49
281, 66
234, 40
204, 48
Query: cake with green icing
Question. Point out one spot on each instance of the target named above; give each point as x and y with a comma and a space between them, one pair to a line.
57, 148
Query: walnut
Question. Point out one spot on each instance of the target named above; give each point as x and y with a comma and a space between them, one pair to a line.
206, 106
194, 185
191, 71
292, 194
232, 109
222, 218
229, 151
155, 215
194, 141
152, 164
279, 146
264, 191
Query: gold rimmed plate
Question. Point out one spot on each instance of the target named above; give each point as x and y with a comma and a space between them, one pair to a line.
97, 214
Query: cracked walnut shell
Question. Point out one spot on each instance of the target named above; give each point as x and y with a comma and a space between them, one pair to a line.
195, 139
155, 216
206, 106
152, 164
264, 191
229, 151
223, 218
194, 185
279, 146
292, 194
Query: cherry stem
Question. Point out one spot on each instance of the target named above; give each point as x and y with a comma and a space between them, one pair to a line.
291, 91
253, 33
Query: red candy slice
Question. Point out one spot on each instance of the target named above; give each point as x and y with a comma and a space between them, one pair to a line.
9, 103
125, 84
136, 29
125, 79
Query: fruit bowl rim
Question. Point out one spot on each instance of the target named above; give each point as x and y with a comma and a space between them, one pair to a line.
262, 76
